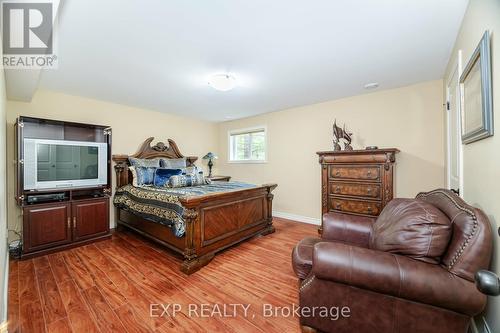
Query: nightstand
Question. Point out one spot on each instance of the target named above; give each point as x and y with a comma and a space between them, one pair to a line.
220, 178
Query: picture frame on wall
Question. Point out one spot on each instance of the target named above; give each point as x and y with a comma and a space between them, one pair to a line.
476, 94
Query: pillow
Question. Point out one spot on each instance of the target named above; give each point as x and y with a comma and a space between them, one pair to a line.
144, 162
188, 180
134, 175
173, 163
190, 170
413, 228
162, 176
145, 175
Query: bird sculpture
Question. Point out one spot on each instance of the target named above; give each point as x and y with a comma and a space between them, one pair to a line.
341, 134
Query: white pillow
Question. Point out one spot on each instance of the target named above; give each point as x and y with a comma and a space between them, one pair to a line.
134, 175
173, 163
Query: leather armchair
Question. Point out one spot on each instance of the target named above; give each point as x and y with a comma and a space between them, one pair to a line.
388, 292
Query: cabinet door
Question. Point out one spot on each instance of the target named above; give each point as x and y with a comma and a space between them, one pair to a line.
46, 226
90, 218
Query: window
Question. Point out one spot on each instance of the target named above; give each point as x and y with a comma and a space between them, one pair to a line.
248, 145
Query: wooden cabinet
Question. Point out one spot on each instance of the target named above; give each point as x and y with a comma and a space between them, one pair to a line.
54, 226
90, 218
58, 210
46, 226
358, 182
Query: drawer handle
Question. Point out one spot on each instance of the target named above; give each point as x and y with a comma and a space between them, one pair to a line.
69, 222
369, 209
369, 172
369, 190
337, 173
337, 205
337, 189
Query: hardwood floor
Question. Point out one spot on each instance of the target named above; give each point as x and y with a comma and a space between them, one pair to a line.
109, 287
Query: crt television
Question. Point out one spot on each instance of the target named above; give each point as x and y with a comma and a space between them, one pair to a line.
52, 164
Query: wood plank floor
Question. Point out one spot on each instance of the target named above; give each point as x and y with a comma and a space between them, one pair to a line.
109, 287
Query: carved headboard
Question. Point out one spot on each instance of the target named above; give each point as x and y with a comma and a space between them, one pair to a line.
159, 150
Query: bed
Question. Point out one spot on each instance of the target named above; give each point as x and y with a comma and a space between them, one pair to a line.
209, 219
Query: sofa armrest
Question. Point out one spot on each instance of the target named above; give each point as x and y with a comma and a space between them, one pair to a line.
347, 228
396, 275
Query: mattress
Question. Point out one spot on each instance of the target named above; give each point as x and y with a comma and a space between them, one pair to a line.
162, 205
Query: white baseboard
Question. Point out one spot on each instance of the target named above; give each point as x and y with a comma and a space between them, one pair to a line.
299, 218
3, 327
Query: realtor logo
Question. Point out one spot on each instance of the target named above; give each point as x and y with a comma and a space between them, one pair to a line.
28, 34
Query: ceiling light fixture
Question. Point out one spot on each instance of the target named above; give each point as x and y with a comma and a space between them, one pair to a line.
222, 82
372, 85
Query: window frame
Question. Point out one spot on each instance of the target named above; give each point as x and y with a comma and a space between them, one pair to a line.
245, 131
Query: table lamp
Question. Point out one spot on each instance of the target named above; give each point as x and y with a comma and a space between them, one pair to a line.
210, 157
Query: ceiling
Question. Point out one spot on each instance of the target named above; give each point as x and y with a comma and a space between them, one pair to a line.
158, 54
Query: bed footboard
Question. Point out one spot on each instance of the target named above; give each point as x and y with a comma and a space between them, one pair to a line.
217, 221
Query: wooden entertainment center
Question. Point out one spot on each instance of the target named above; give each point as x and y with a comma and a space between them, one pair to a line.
63, 216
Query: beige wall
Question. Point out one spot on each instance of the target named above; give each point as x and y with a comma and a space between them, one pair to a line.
482, 158
131, 126
408, 118
3, 213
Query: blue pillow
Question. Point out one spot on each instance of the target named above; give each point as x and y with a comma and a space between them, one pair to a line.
145, 175
162, 175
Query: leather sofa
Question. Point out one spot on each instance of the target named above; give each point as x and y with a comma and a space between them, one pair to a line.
398, 289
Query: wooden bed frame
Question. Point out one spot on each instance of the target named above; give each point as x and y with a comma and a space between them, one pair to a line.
213, 221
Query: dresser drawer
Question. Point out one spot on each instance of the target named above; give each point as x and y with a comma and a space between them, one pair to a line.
355, 190
356, 206
371, 173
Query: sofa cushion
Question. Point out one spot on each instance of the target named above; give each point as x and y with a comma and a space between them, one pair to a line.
302, 256
471, 244
413, 228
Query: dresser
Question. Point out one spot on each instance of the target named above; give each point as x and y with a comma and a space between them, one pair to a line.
358, 182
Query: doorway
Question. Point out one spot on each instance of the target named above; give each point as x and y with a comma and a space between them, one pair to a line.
454, 141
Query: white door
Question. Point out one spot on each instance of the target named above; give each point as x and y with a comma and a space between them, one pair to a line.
454, 133
67, 162
58, 162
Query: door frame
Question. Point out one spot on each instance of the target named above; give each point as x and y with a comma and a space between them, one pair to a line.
456, 67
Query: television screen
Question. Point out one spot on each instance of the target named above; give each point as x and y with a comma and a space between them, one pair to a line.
50, 164
65, 162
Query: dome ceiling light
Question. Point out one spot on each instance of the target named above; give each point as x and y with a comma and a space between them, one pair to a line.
371, 85
222, 82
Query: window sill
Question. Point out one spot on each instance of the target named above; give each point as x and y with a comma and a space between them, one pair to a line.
248, 162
